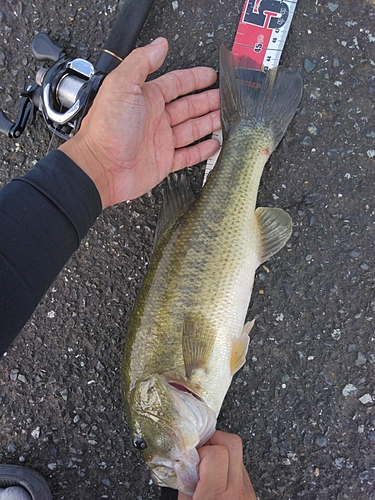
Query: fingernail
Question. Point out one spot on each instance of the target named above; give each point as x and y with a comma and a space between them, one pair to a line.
158, 55
158, 41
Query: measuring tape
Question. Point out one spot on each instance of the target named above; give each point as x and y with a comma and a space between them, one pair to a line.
261, 35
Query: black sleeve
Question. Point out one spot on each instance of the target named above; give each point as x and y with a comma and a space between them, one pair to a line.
43, 218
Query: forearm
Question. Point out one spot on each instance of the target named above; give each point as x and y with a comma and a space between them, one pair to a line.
43, 217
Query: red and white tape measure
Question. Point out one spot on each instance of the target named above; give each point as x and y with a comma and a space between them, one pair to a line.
261, 35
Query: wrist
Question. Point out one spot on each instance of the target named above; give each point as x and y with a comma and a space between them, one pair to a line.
79, 151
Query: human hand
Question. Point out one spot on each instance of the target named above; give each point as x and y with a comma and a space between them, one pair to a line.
222, 474
136, 133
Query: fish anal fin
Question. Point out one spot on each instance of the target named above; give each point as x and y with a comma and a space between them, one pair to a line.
197, 343
240, 346
275, 228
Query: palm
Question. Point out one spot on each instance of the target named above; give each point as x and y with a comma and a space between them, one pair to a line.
137, 140
136, 133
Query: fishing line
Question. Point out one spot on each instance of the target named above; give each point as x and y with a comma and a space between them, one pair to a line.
53, 134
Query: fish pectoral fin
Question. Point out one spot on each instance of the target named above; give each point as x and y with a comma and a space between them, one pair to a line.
240, 346
197, 343
275, 227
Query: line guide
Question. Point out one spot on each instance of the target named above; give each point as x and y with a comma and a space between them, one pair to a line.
261, 35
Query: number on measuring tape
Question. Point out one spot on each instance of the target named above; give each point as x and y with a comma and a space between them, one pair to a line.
271, 14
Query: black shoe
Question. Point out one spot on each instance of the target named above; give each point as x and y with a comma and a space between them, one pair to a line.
16, 475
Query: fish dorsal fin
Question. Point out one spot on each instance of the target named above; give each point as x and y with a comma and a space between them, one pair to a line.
177, 196
198, 339
275, 227
240, 346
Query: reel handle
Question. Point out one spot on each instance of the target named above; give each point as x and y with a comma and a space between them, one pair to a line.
6, 124
124, 34
44, 49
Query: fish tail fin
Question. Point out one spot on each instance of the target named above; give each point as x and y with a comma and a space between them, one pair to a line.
269, 99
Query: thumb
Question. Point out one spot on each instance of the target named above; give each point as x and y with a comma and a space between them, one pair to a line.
143, 61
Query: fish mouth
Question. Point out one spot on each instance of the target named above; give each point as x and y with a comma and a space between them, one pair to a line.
197, 426
196, 411
183, 388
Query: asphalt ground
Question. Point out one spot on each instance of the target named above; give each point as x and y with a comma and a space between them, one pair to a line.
304, 401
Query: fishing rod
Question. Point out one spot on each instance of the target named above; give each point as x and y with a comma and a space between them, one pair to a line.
64, 92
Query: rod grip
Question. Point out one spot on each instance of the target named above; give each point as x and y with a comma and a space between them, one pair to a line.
124, 34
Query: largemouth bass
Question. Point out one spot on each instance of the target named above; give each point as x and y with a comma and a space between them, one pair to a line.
186, 336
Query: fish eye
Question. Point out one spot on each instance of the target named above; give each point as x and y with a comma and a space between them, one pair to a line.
139, 443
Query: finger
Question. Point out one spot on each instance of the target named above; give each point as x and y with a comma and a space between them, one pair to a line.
213, 471
193, 130
186, 157
183, 496
233, 444
141, 62
192, 106
184, 81
248, 485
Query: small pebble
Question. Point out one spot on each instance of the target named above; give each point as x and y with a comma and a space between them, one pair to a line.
339, 462
332, 6
366, 398
361, 359
309, 65
364, 475
336, 334
35, 433
348, 389
321, 441
307, 141
312, 129
64, 394
355, 254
